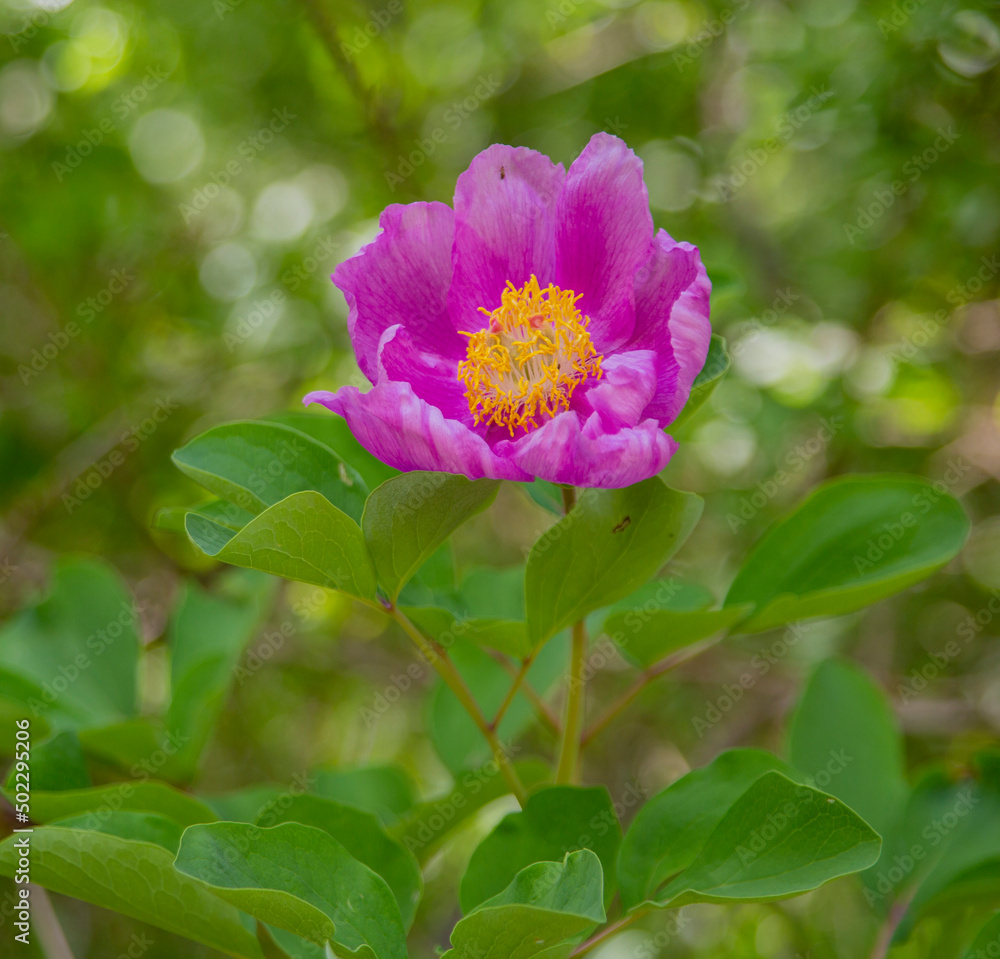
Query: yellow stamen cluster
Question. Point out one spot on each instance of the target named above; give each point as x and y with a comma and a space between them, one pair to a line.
530, 357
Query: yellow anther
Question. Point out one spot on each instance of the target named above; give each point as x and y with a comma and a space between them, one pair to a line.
530, 357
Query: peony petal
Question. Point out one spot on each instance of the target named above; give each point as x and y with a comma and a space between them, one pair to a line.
402, 277
604, 234
504, 228
563, 451
671, 318
433, 378
394, 424
627, 386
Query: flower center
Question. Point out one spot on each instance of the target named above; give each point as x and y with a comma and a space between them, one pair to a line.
529, 359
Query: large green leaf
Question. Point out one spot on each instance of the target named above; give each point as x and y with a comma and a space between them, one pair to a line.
716, 366
257, 464
610, 543
304, 537
362, 835
853, 541
778, 839
207, 634
134, 877
555, 820
547, 907
670, 830
73, 658
409, 516
846, 738
298, 878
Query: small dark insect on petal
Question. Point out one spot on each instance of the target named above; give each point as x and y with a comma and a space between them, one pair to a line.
624, 524
502, 173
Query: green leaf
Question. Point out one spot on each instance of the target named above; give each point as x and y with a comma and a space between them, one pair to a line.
668, 832
665, 616
844, 722
57, 763
387, 791
361, 834
547, 906
332, 431
304, 537
987, 942
142, 826
779, 839
611, 542
297, 878
135, 878
207, 634
948, 830
409, 516
555, 820
256, 465
149, 796
716, 366
75, 655
428, 824
172, 518
853, 541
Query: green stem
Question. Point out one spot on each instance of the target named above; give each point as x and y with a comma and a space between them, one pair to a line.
568, 770
512, 692
437, 656
606, 933
542, 710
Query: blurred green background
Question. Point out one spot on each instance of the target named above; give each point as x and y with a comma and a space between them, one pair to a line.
178, 180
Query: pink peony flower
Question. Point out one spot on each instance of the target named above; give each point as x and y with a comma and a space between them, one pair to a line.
539, 329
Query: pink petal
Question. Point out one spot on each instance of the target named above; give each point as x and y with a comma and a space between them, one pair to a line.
504, 228
563, 451
624, 390
433, 378
402, 277
395, 425
671, 318
604, 234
